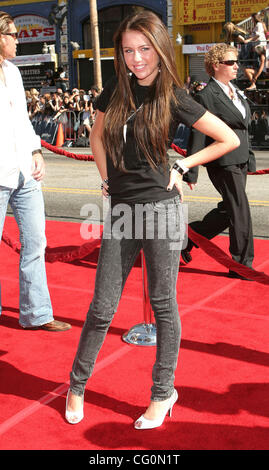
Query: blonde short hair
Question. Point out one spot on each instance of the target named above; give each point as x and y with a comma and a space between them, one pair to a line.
215, 55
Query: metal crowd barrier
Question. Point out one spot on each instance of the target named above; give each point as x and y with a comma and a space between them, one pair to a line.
69, 121
46, 126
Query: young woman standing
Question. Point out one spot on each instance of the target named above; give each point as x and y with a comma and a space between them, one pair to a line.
138, 113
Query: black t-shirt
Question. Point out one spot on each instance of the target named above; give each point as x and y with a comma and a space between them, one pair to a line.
236, 35
141, 183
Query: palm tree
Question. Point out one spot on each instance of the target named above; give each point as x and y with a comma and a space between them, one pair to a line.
95, 44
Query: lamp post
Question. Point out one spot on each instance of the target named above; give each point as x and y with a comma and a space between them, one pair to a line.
228, 11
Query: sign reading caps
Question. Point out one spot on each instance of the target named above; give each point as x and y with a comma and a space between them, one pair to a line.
34, 28
213, 11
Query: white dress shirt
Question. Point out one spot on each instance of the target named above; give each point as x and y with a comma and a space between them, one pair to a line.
236, 100
18, 138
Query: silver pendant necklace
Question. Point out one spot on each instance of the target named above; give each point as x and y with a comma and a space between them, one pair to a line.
130, 117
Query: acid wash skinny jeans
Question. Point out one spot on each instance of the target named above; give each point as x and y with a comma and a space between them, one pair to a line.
160, 233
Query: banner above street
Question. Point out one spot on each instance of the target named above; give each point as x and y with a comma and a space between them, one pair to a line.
213, 11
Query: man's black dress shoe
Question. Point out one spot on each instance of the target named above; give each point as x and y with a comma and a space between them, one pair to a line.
186, 256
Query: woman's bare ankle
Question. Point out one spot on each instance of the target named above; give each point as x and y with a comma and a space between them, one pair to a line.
74, 401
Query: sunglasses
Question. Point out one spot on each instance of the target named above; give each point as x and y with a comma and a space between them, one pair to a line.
14, 35
229, 62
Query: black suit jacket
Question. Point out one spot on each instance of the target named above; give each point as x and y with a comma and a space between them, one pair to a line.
213, 98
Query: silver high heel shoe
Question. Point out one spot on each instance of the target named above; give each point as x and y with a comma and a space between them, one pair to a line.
144, 423
74, 417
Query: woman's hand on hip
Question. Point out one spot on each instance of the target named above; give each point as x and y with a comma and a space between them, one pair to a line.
175, 180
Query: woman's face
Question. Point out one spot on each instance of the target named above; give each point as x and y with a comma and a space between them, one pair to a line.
140, 57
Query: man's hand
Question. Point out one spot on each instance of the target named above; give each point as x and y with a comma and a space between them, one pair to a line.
38, 166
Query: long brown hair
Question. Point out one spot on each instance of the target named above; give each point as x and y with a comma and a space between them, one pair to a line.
230, 28
151, 127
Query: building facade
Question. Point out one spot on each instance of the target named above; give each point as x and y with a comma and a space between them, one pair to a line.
55, 33
200, 24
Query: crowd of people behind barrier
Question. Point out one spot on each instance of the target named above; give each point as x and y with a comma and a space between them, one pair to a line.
75, 109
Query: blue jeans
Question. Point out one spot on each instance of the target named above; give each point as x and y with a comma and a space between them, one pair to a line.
116, 258
28, 207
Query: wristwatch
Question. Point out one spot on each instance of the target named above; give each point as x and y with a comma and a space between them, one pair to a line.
180, 167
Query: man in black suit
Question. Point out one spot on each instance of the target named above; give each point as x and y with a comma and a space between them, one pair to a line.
228, 174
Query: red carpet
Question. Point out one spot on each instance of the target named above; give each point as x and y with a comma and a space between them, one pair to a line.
222, 375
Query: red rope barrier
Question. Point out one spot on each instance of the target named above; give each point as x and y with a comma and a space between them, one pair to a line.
79, 252
11, 243
60, 151
58, 254
177, 149
260, 172
76, 253
221, 257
